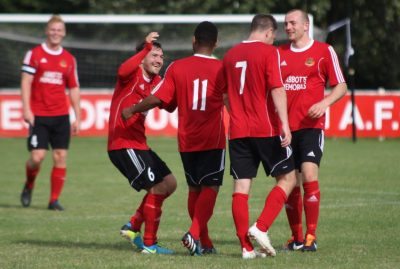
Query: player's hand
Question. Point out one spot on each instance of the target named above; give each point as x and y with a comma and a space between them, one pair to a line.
152, 37
286, 136
317, 110
76, 127
29, 117
126, 113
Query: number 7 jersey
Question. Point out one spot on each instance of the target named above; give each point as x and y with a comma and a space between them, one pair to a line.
192, 84
251, 71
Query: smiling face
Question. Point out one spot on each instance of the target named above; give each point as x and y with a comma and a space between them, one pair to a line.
296, 26
55, 32
153, 62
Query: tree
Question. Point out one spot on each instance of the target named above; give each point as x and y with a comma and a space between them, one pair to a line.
375, 38
375, 28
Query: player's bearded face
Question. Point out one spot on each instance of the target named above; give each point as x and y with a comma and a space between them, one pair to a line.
55, 33
153, 61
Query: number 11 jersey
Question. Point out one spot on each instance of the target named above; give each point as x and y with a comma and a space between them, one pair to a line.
193, 84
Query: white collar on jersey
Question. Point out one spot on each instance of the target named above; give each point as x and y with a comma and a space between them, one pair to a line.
292, 48
204, 56
52, 52
251, 41
146, 78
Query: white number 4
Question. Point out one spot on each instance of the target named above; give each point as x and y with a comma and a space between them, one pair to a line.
196, 94
243, 65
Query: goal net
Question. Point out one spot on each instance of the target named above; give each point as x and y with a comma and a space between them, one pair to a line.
101, 42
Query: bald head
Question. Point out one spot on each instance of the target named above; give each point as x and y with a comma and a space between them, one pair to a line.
303, 16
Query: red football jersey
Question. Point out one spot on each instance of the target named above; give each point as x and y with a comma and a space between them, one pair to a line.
305, 73
191, 83
53, 71
132, 86
252, 70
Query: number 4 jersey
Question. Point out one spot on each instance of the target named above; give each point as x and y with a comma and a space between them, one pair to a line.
251, 71
193, 84
53, 71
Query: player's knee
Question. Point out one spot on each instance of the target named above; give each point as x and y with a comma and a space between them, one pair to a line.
242, 185
36, 158
165, 187
308, 177
170, 184
287, 182
60, 157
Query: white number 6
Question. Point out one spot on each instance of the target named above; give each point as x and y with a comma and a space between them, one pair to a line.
150, 174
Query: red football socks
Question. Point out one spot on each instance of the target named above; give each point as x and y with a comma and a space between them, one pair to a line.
240, 212
152, 214
57, 182
294, 211
205, 239
311, 202
31, 174
191, 202
273, 205
137, 219
203, 211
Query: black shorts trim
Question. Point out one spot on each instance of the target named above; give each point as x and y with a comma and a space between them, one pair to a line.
53, 130
204, 168
142, 168
308, 146
246, 154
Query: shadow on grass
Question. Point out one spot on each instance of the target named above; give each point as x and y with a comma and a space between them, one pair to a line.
103, 246
70, 244
19, 206
124, 246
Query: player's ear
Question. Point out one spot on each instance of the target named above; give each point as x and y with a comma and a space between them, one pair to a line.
273, 34
306, 26
268, 33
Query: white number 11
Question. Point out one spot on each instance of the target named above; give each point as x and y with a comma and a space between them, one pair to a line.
196, 94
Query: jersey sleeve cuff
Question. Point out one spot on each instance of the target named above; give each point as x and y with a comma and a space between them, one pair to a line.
28, 69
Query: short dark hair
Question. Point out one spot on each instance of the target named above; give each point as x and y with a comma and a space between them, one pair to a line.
206, 33
141, 46
304, 14
263, 22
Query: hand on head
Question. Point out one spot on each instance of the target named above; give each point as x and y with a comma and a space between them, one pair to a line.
152, 37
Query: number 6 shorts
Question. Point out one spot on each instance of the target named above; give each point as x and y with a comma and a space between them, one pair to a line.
142, 168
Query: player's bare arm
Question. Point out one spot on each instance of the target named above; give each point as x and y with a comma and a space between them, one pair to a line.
226, 102
148, 103
280, 102
26, 87
318, 110
74, 96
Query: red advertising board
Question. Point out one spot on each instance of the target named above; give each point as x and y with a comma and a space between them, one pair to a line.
376, 115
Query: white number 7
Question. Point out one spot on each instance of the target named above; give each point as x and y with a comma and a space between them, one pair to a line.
243, 65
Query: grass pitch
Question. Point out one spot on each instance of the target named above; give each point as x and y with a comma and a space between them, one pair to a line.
358, 228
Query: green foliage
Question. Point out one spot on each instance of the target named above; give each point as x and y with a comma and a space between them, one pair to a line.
377, 43
375, 27
358, 227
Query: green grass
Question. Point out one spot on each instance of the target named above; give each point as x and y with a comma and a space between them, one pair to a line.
358, 228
